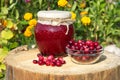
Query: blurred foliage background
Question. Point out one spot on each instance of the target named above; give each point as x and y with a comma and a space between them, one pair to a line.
97, 20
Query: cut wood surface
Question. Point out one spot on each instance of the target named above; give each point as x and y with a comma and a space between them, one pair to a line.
20, 67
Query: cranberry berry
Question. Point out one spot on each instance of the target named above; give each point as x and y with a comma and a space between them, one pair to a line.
49, 61
35, 61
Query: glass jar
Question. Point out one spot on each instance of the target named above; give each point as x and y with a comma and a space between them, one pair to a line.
53, 31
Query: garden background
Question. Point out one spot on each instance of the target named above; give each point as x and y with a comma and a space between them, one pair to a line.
97, 20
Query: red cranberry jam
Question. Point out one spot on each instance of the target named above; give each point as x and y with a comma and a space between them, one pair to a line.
52, 39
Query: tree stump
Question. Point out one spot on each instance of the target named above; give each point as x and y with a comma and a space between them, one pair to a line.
20, 67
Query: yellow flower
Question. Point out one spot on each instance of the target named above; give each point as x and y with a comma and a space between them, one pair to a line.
86, 20
82, 5
83, 13
62, 3
4, 23
30, 27
73, 16
27, 32
33, 22
28, 16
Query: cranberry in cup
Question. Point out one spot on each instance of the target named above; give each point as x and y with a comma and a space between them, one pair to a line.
84, 52
53, 32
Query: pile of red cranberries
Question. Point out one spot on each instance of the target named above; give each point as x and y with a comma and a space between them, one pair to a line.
49, 60
84, 51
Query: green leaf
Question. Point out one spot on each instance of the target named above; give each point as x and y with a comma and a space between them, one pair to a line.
12, 5
3, 67
3, 41
98, 3
4, 10
14, 45
103, 5
17, 14
6, 34
2, 76
23, 22
2, 16
11, 1
116, 32
111, 7
9, 24
40, 3
3, 54
117, 19
74, 6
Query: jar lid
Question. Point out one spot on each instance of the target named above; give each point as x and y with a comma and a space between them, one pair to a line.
54, 14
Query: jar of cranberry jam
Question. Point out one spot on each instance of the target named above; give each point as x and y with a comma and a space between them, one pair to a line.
53, 31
